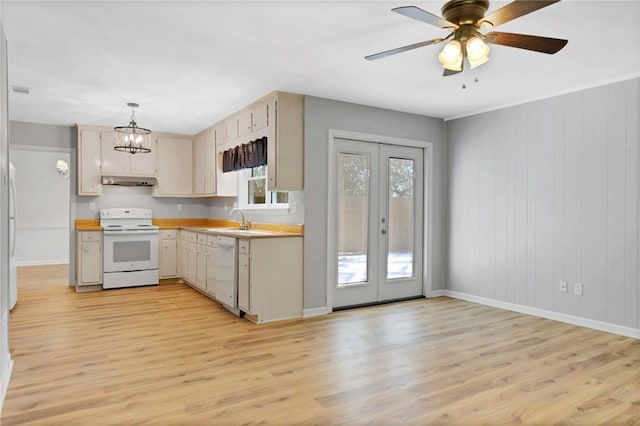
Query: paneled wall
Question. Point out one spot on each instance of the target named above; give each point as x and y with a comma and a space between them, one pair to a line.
548, 192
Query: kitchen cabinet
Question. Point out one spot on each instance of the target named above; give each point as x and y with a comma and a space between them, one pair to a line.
231, 129
204, 162
198, 163
201, 262
226, 183
175, 163
211, 264
89, 179
270, 278
260, 116
285, 147
168, 253
118, 163
244, 123
89, 259
191, 261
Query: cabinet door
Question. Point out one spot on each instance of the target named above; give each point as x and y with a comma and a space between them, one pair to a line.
89, 179
169, 259
201, 266
113, 162
244, 123
144, 164
174, 167
243, 282
198, 164
211, 270
91, 262
226, 183
231, 129
184, 258
210, 161
191, 262
260, 116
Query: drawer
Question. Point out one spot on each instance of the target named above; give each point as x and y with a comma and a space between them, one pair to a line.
191, 237
91, 236
168, 234
202, 239
211, 240
183, 235
243, 246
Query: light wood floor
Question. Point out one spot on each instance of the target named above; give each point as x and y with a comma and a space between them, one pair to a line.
168, 355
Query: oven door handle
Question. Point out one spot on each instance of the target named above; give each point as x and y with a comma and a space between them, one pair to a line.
131, 232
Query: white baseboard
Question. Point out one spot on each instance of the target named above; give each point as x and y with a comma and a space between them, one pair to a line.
437, 293
556, 316
42, 262
6, 376
314, 312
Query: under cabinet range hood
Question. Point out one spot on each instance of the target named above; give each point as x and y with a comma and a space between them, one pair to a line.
129, 180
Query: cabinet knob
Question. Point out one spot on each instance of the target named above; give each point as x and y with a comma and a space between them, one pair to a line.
86, 250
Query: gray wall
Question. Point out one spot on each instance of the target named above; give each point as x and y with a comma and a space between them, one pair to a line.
140, 197
548, 192
323, 114
48, 135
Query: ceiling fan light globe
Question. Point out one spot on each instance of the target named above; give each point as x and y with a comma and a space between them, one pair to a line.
474, 64
451, 56
477, 49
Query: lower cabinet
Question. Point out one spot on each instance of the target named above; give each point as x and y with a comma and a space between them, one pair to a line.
168, 253
270, 278
269, 274
211, 265
89, 260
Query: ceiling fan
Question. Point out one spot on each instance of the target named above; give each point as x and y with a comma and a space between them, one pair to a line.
465, 19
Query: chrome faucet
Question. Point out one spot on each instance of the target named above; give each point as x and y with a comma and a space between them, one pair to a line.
244, 225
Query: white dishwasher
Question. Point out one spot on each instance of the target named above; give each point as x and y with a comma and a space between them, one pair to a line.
226, 255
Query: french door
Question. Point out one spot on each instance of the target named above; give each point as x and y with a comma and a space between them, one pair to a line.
379, 199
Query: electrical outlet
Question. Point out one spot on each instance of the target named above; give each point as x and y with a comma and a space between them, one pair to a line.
179, 206
293, 206
563, 286
92, 206
577, 289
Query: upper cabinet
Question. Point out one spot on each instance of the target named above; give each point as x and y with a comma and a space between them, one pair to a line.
226, 183
285, 146
280, 117
118, 163
89, 182
175, 162
204, 163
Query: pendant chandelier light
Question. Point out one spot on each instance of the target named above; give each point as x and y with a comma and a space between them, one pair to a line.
131, 138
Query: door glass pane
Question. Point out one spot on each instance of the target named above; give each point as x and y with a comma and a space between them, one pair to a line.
353, 214
401, 217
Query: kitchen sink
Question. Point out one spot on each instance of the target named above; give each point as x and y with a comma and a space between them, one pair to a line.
241, 231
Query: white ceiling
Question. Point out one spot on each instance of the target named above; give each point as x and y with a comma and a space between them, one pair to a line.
191, 63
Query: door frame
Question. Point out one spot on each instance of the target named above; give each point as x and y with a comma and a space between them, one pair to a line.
427, 147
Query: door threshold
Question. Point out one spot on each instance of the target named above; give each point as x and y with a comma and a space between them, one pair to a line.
383, 302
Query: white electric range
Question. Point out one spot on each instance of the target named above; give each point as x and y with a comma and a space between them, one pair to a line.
130, 248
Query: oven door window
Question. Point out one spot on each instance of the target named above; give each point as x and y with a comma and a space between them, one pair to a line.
131, 251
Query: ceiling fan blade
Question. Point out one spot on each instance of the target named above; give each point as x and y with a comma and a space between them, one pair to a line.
515, 10
424, 16
402, 49
447, 72
529, 42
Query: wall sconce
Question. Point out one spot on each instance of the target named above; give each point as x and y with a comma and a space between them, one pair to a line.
63, 168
